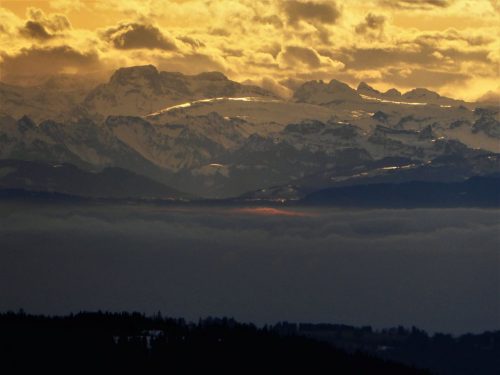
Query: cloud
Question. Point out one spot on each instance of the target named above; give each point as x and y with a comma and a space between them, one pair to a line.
419, 77
372, 22
134, 35
380, 267
273, 20
419, 53
296, 39
310, 11
191, 63
272, 85
490, 96
297, 56
53, 22
67, 5
42, 26
416, 4
195, 43
46, 61
495, 4
35, 30
292, 56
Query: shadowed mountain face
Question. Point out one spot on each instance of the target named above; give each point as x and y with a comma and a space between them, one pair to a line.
67, 179
212, 137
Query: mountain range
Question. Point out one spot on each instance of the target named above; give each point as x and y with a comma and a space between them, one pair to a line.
210, 137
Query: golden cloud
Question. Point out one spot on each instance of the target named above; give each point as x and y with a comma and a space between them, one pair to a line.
35, 30
46, 61
134, 35
326, 12
385, 42
372, 22
43, 27
416, 4
298, 58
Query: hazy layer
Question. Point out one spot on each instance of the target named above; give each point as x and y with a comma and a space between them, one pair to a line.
437, 269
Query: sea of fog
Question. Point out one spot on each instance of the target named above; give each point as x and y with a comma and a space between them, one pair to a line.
438, 269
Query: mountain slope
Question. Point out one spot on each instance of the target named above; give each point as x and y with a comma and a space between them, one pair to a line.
141, 90
50, 100
213, 137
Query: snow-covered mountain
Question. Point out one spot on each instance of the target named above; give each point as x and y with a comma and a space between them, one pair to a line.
50, 100
318, 92
418, 96
143, 90
213, 137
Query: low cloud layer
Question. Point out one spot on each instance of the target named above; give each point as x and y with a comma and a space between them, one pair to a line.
437, 269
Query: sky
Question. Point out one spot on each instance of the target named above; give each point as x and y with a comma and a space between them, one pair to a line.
451, 46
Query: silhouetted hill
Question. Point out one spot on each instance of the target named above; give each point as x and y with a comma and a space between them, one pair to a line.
133, 342
441, 353
474, 192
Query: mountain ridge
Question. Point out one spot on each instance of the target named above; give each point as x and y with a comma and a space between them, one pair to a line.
223, 141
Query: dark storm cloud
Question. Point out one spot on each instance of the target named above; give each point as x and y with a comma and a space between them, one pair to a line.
434, 268
48, 60
310, 11
136, 36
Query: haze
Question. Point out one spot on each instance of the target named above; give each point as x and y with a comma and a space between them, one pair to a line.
436, 269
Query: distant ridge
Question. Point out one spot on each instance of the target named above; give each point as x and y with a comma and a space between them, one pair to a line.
64, 179
474, 192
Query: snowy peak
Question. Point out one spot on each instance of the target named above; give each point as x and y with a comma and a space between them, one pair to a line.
317, 92
365, 89
336, 85
421, 94
141, 90
133, 74
210, 76
392, 93
337, 92
418, 96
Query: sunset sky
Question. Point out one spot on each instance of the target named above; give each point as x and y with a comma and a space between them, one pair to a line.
451, 46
